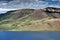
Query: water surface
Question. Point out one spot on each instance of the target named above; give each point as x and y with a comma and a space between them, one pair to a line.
29, 35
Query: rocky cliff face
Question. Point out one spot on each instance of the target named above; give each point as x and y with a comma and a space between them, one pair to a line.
36, 14
53, 12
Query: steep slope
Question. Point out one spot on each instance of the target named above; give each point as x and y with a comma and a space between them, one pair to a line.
30, 19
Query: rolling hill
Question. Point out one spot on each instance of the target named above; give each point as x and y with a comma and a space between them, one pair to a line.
47, 19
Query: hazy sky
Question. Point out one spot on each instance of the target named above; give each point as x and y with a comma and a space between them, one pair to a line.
6, 5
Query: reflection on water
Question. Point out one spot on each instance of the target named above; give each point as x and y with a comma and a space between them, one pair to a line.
29, 35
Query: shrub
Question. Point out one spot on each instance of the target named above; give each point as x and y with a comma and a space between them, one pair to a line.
14, 26
28, 22
4, 22
50, 24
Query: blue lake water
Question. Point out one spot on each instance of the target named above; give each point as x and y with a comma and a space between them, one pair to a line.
29, 35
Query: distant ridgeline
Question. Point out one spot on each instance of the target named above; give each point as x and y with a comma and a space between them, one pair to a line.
52, 10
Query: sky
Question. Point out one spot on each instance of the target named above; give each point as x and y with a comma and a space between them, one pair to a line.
7, 5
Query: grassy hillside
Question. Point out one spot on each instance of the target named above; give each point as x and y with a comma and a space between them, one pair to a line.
30, 20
